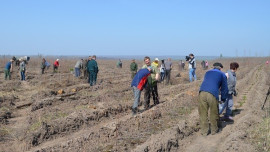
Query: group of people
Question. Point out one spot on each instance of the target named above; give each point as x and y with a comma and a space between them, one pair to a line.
9, 69
217, 83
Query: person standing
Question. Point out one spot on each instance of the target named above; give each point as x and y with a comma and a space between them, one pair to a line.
56, 65
151, 86
8, 69
215, 81
138, 83
162, 70
133, 68
119, 64
206, 64
78, 67
22, 69
43, 66
92, 68
168, 68
231, 76
192, 67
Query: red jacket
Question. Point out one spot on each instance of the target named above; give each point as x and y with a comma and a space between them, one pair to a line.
56, 63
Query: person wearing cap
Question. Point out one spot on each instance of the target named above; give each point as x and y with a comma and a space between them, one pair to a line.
168, 68
192, 67
228, 104
78, 67
162, 70
22, 69
151, 87
8, 69
133, 68
215, 82
56, 65
92, 68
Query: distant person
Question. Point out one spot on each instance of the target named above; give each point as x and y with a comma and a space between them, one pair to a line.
119, 64
267, 62
162, 70
168, 68
56, 65
203, 64
8, 69
92, 68
43, 66
85, 72
133, 68
78, 67
206, 65
22, 69
180, 66
151, 87
138, 83
47, 65
215, 81
192, 67
231, 80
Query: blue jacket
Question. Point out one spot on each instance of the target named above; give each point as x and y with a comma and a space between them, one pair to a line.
215, 81
140, 79
8, 65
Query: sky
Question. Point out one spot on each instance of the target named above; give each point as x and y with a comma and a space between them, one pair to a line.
135, 27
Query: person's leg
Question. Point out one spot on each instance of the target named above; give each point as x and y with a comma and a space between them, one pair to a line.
203, 113
146, 97
169, 76
137, 95
223, 106
214, 117
95, 78
190, 74
155, 94
229, 106
91, 77
194, 74
6, 74
24, 76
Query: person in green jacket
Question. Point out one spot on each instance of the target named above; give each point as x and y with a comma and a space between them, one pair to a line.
151, 87
92, 69
133, 68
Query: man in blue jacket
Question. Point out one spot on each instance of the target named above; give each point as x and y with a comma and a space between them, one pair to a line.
92, 68
214, 83
138, 83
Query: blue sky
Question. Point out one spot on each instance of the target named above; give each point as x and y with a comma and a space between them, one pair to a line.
135, 27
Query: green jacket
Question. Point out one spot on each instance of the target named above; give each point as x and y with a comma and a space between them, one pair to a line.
133, 67
154, 71
92, 66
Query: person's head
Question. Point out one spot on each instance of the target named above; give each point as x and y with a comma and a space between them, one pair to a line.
234, 66
169, 59
191, 55
147, 60
43, 60
94, 57
218, 65
57, 59
156, 60
162, 61
90, 57
133, 60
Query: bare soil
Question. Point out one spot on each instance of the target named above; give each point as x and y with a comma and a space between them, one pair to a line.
58, 112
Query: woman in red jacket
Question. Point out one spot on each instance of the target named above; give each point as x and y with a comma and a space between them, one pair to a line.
56, 65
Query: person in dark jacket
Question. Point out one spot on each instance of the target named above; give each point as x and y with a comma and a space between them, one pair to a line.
92, 68
22, 69
133, 68
8, 69
43, 66
138, 83
228, 104
215, 82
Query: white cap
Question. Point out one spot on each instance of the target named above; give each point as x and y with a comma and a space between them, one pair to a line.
156, 59
57, 59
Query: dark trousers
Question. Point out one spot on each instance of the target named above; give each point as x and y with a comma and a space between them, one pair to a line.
168, 76
42, 70
92, 78
147, 94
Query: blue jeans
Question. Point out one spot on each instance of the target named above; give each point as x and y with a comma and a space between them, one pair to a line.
228, 104
162, 75
137, 96
22, 75
192, 74
77, 72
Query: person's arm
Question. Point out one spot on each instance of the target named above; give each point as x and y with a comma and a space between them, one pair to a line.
11, 67
224, 88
